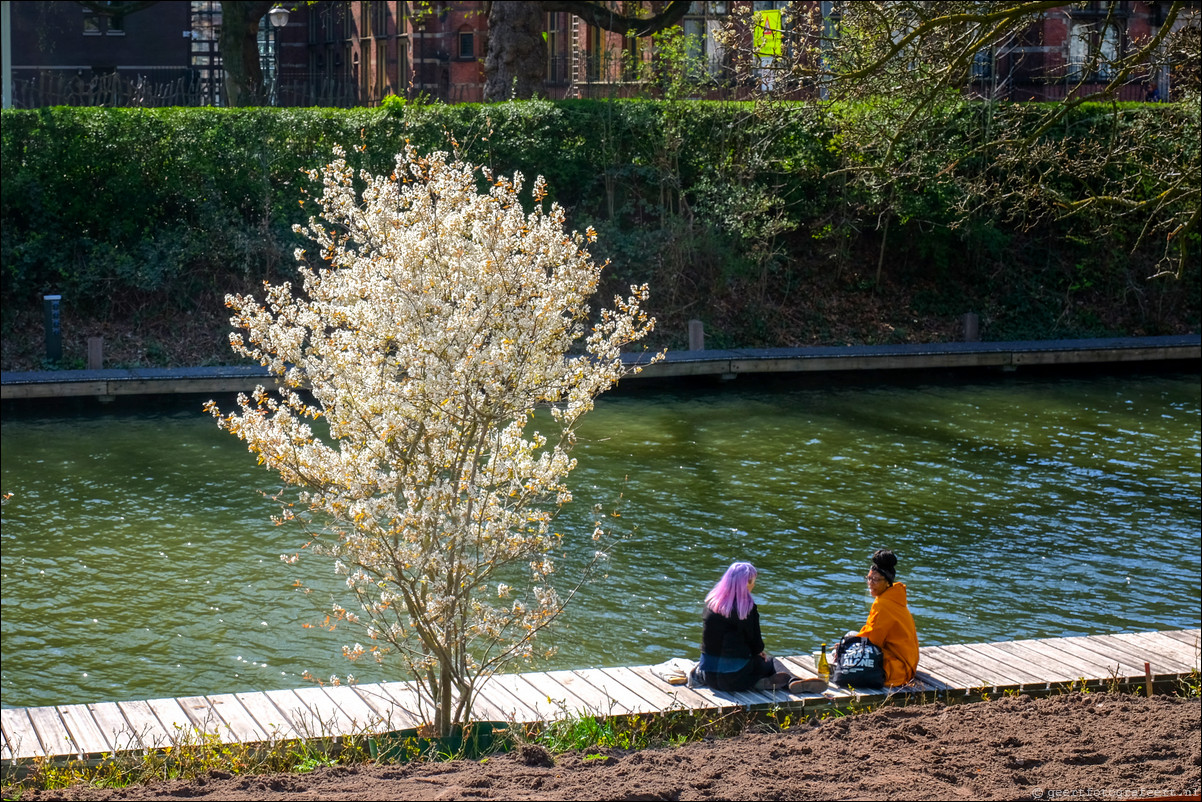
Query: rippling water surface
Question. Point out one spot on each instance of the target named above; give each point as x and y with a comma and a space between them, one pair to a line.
139, 559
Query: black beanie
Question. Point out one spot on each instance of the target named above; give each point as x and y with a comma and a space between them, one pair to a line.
885, 562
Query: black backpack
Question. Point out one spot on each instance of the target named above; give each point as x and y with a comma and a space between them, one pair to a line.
858, 664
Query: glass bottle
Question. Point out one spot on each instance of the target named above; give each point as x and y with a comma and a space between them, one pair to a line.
824, 666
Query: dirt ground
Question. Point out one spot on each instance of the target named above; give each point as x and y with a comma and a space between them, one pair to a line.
1091, 746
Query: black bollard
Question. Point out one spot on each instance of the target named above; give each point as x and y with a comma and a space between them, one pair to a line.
972, 327
54, 331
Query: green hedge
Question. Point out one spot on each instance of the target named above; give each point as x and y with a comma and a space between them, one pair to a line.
112, 207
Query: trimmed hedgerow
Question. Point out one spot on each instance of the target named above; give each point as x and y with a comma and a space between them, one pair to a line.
119, 208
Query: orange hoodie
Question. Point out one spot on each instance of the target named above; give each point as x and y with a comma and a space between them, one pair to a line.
891, 627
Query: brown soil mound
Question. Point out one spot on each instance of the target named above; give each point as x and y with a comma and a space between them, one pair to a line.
1094, 746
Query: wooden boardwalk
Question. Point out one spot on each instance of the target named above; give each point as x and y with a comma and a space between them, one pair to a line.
1032, 666
1184, 349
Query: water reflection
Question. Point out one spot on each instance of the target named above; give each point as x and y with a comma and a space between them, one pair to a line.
139, 560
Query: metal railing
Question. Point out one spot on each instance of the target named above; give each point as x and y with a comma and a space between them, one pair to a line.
150, 89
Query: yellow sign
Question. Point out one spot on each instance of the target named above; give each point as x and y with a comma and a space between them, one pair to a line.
766, 34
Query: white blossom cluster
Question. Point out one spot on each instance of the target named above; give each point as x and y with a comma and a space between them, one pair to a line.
437, 318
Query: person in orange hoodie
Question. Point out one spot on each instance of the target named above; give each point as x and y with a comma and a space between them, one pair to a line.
890, 625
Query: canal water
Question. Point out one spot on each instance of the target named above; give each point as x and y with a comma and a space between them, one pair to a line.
139, 560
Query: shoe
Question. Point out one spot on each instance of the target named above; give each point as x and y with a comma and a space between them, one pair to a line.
814, 685
777, 681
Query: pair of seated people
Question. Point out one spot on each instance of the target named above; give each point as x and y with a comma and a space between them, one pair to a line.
732, 649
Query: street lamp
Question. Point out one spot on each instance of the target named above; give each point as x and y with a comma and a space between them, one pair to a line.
278, 17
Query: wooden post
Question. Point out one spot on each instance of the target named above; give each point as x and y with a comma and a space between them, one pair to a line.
972, 327
696, 335
95, 353
1148, 678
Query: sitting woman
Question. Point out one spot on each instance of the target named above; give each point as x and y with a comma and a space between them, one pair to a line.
732, 650
890, 625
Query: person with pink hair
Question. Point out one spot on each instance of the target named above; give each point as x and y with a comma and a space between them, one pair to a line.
732, 649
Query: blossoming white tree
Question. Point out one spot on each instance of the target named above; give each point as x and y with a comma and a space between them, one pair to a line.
443, 316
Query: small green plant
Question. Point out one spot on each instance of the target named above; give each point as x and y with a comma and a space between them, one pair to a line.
191, 754
1190, 687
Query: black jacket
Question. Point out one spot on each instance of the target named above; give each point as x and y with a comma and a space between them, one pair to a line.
733, 641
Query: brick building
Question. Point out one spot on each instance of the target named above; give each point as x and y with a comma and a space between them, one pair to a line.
357, 53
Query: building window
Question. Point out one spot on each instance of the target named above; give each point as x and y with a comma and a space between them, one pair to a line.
703, 54
557, 59
366, 18
379, 24
381, 63
205, 58
102, 24
1094, 47
467, 46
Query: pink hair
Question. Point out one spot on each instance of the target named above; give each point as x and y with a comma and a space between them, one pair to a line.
731, 592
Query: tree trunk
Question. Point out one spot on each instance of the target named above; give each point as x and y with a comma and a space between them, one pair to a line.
516, 62
239, 48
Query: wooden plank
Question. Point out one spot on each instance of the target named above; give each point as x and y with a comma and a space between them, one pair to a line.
87, 735
1190, 637
672, 697
705, 697
925, 683
146, 724
597, 700
6, 754
1162, 658
1053, 672
655, 697
485, 709
270, 718
205, 720
174, 719
1015, 667
320, 716
393, 712
236, 721
998, 675
1087, 667
400, 706
936, 665
1014, 672
616, 689
1092, 664
19, 731
364, 720
304, 720
1184, 658
543, 708
951, 678
502, 700
116, 729
576, 698
1118, 661
52, 733
1129, 653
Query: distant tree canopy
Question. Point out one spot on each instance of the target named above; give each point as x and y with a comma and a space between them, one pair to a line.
515, 65
902, 70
